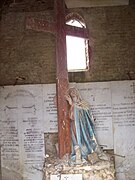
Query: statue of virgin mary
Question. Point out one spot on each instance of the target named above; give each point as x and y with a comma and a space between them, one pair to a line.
81, 124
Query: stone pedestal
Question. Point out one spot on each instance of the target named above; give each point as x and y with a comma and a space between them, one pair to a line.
102, 170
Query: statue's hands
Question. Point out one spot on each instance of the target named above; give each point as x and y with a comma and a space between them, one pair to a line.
68, 98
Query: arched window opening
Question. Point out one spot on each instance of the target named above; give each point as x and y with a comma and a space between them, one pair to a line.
77, 48
77, 23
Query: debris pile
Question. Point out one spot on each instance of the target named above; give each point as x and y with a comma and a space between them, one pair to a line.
101, 170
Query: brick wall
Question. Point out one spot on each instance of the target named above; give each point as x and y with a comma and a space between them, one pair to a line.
112, 38
26, 53
32, 54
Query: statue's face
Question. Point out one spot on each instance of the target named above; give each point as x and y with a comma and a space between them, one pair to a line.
73, 93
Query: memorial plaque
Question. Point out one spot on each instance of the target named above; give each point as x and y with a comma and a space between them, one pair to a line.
71, 176
98, 96
22, 130
123, 103
10, 130
54, 177
66, 177
50, 109
32, 131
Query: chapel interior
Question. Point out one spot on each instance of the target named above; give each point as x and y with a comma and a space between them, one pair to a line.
64, 122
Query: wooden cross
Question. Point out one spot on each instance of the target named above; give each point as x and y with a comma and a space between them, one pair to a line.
60, 29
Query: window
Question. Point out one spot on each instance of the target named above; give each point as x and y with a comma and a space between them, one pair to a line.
77, 49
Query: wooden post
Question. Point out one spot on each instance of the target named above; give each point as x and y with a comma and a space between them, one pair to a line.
60, 29
62, 83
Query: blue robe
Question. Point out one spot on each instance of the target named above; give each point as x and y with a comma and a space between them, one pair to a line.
82, 131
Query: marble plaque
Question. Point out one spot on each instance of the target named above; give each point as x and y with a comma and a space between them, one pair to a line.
66, 177
49, 108
123, 103
10, 150
22, 130
55, 177
32, 131
71, 176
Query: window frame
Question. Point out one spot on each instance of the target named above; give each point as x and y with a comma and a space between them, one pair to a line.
84, 34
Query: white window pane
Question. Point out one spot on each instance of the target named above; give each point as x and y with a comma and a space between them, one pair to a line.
76, 56
75, 23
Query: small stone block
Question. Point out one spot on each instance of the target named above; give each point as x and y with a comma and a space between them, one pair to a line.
93, 158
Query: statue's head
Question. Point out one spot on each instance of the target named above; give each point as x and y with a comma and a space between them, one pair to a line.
74, 94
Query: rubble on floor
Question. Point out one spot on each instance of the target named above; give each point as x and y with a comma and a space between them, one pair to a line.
101, 170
